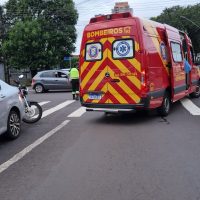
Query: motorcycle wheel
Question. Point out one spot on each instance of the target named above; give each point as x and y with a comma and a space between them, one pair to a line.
33, 113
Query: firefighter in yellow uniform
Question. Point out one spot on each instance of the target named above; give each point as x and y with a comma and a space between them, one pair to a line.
74, 75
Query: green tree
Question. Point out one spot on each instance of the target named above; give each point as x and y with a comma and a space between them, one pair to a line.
41, 32
2, 30
26, 45
183, 18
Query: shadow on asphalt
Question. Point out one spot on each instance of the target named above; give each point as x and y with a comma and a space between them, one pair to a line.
56, 91
4, 140
139, 117
126, 118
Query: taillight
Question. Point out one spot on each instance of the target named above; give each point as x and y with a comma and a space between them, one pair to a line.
21, 95
143, 83
33, 81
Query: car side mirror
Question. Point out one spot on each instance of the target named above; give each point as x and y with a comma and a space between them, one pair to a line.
21, 76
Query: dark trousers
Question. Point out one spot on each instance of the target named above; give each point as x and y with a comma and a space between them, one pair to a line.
75, 86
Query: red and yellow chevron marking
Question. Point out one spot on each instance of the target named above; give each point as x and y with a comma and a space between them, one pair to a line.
126, 91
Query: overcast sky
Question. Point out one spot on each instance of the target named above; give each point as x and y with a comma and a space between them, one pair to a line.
141, 8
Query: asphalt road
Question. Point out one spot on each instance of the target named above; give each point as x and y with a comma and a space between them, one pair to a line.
97, 157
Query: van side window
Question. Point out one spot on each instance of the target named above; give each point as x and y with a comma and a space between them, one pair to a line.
123, 49
176, 52
93, 52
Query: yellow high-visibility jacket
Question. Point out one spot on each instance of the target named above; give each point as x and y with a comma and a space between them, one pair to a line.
74, 73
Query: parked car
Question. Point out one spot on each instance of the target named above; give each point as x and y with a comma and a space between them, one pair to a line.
11, 110
66, 70
51, 80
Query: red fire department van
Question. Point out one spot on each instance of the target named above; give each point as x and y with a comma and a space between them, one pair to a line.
128, 64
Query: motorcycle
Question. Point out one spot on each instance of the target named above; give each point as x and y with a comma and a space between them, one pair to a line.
32, 110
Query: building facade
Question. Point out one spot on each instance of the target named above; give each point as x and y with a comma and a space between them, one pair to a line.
121, 7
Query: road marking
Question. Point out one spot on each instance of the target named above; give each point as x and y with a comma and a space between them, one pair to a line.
28, 149
56, 108
43, 103
190, 106
78, 112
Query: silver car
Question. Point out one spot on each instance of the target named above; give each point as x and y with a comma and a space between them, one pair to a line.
51, 80
11, 111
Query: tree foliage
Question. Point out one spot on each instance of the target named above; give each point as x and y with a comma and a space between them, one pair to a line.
183, 18
41, 32
2, 31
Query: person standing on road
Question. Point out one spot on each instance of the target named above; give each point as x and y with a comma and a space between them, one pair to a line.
187, 68
74, 75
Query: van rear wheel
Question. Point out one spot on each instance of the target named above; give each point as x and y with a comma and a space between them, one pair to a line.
164, 109
196, 93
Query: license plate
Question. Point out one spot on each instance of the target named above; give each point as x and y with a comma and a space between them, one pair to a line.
94, 96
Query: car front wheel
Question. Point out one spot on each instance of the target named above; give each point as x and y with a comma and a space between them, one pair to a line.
13, 125
39, 88
196, 93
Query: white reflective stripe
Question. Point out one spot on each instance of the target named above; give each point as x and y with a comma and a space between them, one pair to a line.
113, 110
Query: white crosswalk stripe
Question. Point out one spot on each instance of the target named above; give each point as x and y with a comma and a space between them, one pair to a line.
187, 104
44, 102
190, 106
56, 108
78, 113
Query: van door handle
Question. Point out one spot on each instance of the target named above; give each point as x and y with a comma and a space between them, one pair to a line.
115, 80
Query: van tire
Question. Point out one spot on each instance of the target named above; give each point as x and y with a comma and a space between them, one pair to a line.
196, 94
39, 88
164, 109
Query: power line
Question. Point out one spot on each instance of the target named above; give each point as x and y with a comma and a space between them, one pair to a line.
93, 9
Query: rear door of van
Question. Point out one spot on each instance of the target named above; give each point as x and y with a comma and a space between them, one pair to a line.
110, 70
94, 88
124, 70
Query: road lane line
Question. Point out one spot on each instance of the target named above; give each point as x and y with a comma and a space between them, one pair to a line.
28, 149
78, 112
43, 103
56, 108
190, 106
